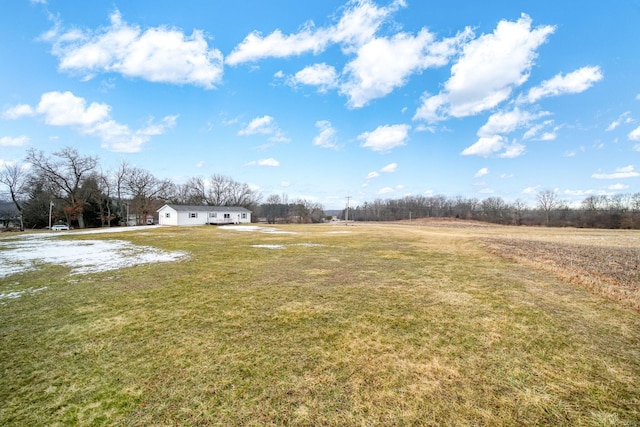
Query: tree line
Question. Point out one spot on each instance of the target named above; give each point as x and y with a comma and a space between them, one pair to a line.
66, 187
595, 211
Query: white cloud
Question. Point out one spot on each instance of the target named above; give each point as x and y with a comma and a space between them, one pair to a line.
490, 67
513, 150
386, 190
67, 109
19, 141
260, 125
634, 135
384, 64
620, 173
327, 136
617, 187
538, 132
385, 138
160, 54
575, 82
482, 172
372, 175
531, 190
625, 118
264, 162
380, 65
322, 75
22, 110
359, 22
265, 125
390, 168
504, 122
485, 146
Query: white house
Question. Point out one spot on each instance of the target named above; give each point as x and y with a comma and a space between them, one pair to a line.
201, 215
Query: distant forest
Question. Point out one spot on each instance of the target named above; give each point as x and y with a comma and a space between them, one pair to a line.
597, 211
66, 187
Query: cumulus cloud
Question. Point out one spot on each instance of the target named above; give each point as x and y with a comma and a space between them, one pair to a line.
18, 141
505, 122
488, 70
617, 187
384, 64
625, 118
93, 119
575, 82
390, 168
322, 75
482, 172
264, 162
620, 173
513, 150
634, 135
327, 136
385, 138
531, 190
372, 175
380, 64
265, 125
359, 22
485, 146
160, 54
18, 111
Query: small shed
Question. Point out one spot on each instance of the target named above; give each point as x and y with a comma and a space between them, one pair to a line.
202, 215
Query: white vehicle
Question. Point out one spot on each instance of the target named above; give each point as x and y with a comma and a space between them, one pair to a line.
60, 227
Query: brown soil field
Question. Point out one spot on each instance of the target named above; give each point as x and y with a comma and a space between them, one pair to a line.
607, 262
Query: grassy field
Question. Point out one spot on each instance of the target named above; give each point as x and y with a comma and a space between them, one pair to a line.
373, 324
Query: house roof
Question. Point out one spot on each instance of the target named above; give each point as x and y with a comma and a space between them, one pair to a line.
205, 208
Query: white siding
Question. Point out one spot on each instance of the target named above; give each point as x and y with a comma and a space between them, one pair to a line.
167, 216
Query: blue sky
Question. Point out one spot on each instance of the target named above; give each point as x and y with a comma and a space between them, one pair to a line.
324, 100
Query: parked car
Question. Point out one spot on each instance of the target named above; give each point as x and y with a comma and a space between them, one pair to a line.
60, 227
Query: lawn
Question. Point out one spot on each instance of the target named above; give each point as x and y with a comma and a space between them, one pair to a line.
371, 324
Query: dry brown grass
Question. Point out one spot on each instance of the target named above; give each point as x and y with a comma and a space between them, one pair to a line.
370, 325
610, 271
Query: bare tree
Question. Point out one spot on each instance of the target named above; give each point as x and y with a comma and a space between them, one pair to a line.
14, 178
65, 173
548, 201
146, 192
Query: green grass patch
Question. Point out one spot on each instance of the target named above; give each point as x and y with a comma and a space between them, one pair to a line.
384, 325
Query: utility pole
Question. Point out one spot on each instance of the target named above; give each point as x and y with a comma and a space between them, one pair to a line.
50, 209
346, 217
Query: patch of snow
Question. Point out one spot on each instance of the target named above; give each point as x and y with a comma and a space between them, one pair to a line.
18, 294
255, 228
283, 246
86, 256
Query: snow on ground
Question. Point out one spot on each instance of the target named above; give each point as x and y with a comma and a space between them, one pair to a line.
308, 245
82, 257
255, 228
18, 294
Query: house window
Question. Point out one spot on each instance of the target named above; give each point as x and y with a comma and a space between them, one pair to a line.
167, 215
213, 215
227, 216
244, 216
193, 214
